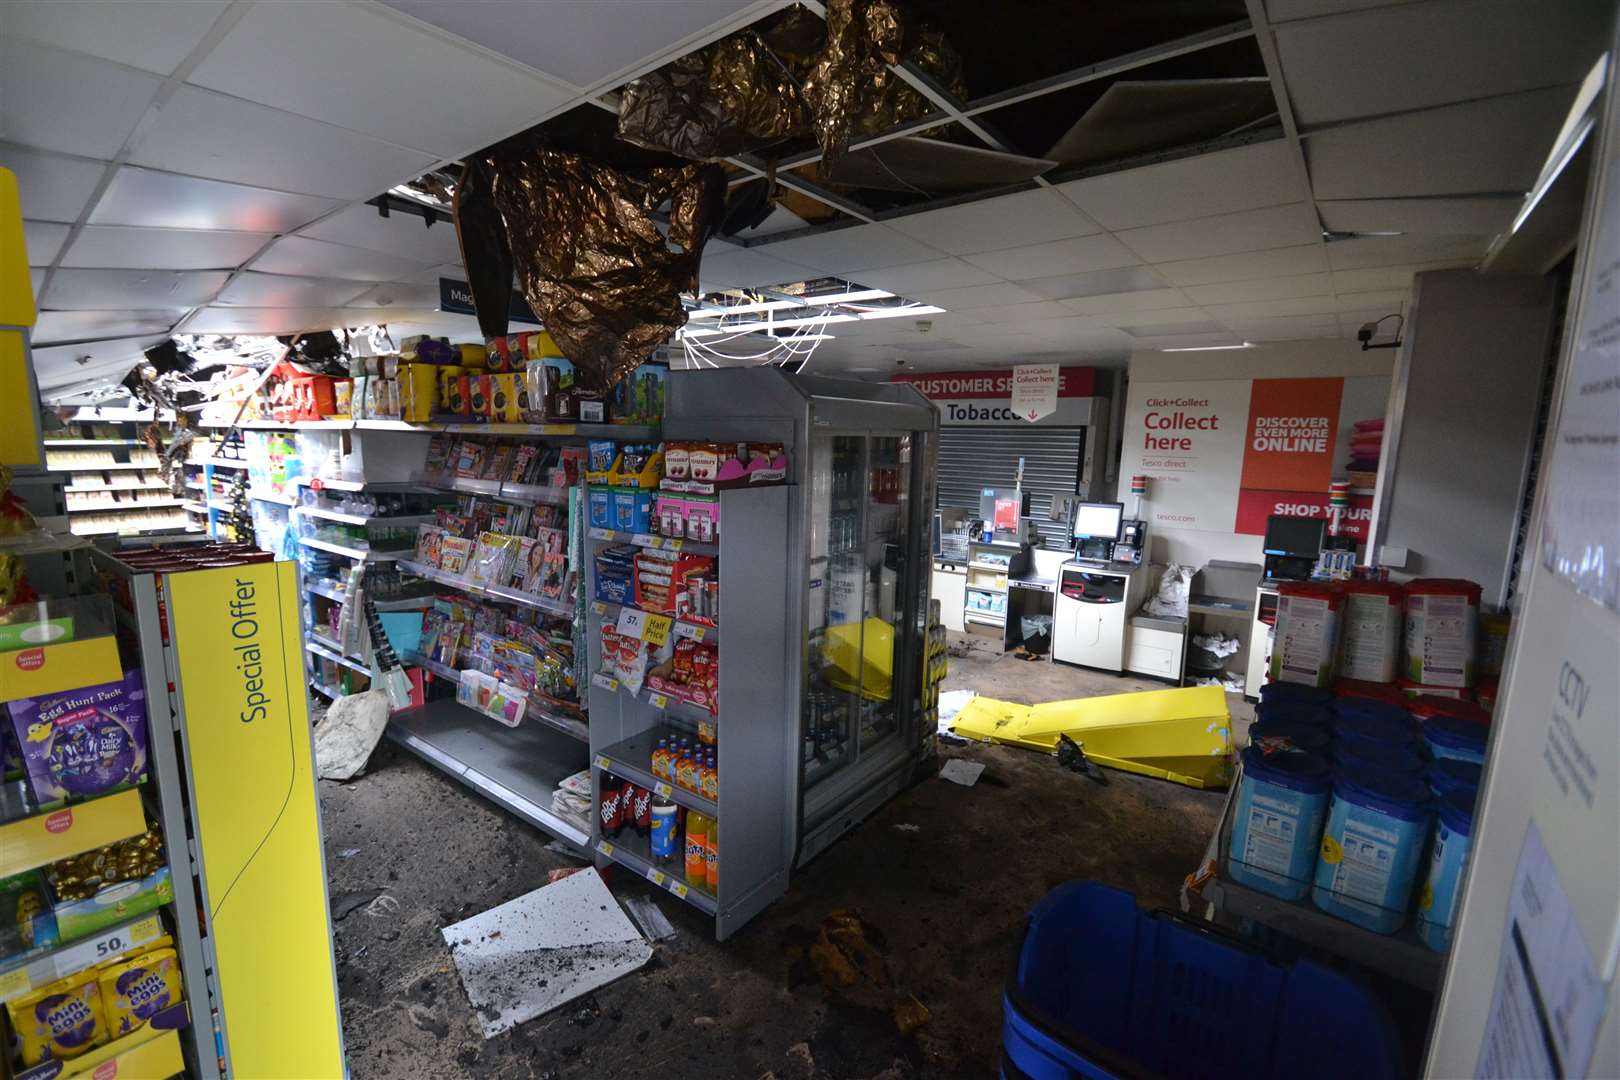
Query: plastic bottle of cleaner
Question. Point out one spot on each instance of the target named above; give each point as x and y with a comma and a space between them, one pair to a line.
697, 849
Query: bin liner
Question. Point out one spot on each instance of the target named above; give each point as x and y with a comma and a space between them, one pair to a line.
733, 97
1037, 632
589, 254
1171, 599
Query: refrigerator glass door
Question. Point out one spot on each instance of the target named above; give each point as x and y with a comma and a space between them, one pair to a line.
835, 606
888, 521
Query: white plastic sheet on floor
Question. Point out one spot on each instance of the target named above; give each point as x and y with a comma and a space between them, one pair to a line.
543, 950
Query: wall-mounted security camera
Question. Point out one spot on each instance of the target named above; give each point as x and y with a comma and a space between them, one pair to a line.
1370, 329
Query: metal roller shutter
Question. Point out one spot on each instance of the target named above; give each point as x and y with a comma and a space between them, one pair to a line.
973, 458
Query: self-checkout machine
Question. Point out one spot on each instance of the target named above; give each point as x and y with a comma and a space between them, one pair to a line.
1099, 587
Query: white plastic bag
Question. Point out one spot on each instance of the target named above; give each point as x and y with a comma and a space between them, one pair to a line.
1171, 599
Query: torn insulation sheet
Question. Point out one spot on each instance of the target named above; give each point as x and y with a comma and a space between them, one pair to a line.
733, 97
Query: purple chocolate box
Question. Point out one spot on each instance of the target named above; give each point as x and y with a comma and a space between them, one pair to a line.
83, 742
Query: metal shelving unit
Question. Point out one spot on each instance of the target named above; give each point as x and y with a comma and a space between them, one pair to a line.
697, 631
631, 852
568, 725
516, 768
493, 592
632, 760
322, 646
648, 540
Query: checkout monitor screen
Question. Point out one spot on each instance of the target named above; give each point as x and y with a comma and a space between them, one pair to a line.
1098, 521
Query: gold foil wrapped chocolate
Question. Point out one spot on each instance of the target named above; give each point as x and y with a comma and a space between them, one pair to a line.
850, 88
591, 259
84, 875
731, 98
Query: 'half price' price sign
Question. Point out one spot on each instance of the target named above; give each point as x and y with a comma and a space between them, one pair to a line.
653, 629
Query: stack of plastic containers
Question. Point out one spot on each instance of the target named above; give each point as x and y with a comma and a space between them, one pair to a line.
1339, 801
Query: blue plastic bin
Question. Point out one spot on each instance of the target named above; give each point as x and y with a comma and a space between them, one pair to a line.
1103, 991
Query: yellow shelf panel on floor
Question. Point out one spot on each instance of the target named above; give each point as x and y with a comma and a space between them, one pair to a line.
57, 834
1180, 735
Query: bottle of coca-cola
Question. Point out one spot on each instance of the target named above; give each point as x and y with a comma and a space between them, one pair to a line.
610, 805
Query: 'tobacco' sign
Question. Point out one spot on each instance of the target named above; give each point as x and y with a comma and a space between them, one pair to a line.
985, 398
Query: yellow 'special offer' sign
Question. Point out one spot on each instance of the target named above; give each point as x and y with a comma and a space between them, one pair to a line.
239, 652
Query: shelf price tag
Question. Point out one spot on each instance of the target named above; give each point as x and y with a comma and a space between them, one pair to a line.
655, 876
658, 701
605, 682
605, 848
679, 889
655, 629
602, 762
663, 789
696, 633
599, 607
601, 534
644, 540
13, 983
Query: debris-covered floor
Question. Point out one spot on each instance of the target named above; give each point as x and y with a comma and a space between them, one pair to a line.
941, 878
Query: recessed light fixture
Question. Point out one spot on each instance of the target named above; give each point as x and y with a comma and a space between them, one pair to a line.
1209, 348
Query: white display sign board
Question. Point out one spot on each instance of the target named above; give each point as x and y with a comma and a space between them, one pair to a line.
1034, 391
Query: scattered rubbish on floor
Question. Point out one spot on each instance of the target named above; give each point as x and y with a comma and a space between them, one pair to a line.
951, 702
1071, 756
563, 849
960, 771
543, 950
558, 875
1180, 735
382, 907
346, 903
650, 917
572, 799
347, 734
348, 853
843, 953
910, 1014
952, 740
906, 826
1229, 681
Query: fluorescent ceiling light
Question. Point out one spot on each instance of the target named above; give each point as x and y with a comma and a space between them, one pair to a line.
810, 320
1209, 348
796, 338
721, 310
1577, 126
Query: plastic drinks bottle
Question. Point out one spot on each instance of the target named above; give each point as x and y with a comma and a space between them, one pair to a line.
697, 849
686, 770
711, 856
665, 834
660, 760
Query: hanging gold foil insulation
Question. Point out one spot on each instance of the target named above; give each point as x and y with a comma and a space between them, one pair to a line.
590, 257
734, 97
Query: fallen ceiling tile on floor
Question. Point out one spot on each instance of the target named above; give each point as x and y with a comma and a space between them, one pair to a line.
544, 949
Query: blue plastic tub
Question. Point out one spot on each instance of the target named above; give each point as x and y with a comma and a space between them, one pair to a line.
1451, 737
1378, 824
1287, 691
1288, 735
1446, 775
1103, 991
1453, 838
1277, 822
1294, 712
1363, 727
1347, 707
1392, 757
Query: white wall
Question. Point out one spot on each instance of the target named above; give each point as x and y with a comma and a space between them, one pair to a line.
1324, 358
1461, 418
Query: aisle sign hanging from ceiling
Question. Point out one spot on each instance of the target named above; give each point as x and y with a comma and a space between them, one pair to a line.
1034, 391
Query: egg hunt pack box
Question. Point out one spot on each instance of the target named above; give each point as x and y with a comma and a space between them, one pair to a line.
83, 742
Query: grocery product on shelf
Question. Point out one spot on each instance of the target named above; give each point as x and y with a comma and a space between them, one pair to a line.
665, 830
697, 849
134, 991
60, 1021
82, 742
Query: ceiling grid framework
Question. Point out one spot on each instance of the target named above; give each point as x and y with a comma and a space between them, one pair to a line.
243, 137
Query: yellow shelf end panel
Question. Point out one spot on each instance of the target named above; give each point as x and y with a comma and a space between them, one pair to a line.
240, 657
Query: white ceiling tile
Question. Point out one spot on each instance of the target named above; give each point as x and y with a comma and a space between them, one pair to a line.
455, 271
1095, 283
1244, 178
579, 41
1491, 146
1101, 252
1412, 56
751, 267
1173, 321
1188, 341
128, 290
1382, 278
36, 278
1028, 217
779, 220
396, 295
1280, 262
1480, 214
63, 364
60, 326
230, 320
1227, 234
1273, 309
167, 200
153, 35
402, 234
1389, 300
1022, 313
1129, 302
161, 249
976, 296
1368, 251
844, 251
303, 257
51, 188
54, 100
1283, 288
206, 134
361, 68
1286, 10
285, 291
1298, 327
935, 274
43, 239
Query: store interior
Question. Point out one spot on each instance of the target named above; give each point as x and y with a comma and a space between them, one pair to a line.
814, 540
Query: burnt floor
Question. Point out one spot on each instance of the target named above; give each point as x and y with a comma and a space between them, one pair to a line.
942, 876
